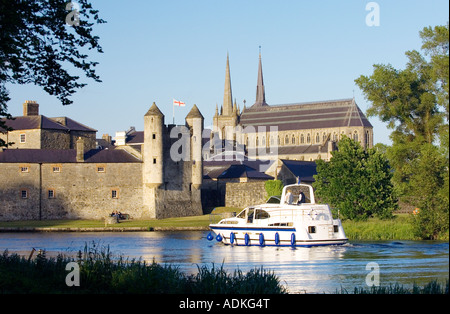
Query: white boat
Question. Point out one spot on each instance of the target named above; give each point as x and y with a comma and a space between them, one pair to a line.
287, 223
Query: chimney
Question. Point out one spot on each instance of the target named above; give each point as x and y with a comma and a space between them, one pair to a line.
80, 150
30, 108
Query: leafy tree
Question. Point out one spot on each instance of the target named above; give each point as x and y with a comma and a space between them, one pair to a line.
414, 102
273, 187
356, 181
36, 46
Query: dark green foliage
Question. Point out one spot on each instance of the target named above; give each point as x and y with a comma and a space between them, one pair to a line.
356, 181
36, 46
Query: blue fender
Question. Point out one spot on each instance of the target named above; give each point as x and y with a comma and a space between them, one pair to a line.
209, 237
247, 239
293, 239
219, 238
261, 239
232, 237
277, 238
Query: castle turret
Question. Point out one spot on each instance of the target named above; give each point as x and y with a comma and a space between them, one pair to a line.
194, 120
153, 147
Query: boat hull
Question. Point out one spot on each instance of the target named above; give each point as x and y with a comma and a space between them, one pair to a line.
288, 236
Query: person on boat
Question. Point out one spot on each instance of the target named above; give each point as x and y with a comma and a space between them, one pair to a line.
301, 198
289, 197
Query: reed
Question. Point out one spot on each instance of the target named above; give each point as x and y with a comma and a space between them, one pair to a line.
433, 287
101, 272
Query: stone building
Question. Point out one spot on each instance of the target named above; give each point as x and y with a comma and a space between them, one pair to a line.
300, 131
50, 175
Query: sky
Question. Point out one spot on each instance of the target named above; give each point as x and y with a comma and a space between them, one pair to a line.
157, 51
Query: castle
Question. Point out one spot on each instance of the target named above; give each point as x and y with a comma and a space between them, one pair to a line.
53, 170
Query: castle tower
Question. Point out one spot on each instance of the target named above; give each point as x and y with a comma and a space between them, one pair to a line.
194, 120
152, 169
153, 147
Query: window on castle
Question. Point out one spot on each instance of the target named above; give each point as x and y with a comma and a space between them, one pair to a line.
302, 139
335, 137
367, 138
355, 136
24, 169
100, 169
154, 160
286, 140
114, 194
324, 137
153, 136
257, 141
293, 139
23, 138
24, 193
272, 142
317, 138
308, 138
278, 141
51, 193
263, 141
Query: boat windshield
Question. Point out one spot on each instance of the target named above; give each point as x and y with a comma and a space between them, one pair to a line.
242, 214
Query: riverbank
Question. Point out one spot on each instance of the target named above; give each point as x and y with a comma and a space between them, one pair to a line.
398, 228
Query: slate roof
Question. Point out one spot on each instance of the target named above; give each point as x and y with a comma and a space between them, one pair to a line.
303, 169
243, 171
42, 122
65, 156
312, 115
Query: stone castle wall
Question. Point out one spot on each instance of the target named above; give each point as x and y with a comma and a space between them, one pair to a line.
245, 194
77, 191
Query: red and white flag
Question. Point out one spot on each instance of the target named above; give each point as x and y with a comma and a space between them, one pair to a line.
178, 103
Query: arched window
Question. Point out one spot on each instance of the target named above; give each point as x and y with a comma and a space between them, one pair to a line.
367, 138
286, 140
293, 139
335, 137
263, 141
317, 138
278, 141
308, 138
272, 142
257, 141
324, 137
355, 136
302, 139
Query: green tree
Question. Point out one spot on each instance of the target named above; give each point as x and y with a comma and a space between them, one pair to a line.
273, 187
414, 102
36, 46
356, 181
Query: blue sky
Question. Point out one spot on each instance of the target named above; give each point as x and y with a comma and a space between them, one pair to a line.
155, 51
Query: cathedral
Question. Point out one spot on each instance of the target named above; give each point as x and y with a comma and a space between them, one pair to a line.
300, 131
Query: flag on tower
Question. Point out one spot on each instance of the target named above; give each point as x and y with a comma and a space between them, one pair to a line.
178, 103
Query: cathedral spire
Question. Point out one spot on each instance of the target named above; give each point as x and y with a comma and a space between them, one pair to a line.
260, 92
227, 96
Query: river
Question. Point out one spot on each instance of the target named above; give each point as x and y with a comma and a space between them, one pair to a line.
324, 269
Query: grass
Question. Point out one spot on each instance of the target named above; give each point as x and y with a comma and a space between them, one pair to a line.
433, 287
398, 228
101, 272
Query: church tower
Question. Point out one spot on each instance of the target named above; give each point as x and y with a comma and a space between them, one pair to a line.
260, 92
227, 119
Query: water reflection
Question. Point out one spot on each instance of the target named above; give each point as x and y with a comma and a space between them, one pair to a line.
315, 269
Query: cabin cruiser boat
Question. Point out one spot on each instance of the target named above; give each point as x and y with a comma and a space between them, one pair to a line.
295, 221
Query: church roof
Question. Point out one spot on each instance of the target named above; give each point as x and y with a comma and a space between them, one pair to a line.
312, 115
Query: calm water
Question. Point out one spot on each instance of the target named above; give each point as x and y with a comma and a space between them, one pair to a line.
316, 269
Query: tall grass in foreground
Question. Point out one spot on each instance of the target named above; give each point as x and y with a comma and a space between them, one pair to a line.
101, 272
433, 287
